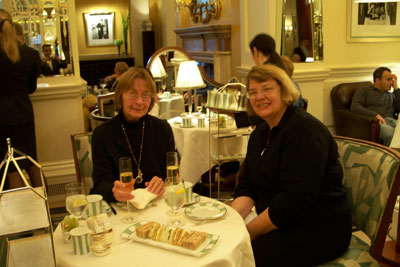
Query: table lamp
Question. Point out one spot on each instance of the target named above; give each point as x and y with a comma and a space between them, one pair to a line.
158, 71
189, 78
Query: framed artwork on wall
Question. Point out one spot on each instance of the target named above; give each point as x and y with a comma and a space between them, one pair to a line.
369, 21
99, 28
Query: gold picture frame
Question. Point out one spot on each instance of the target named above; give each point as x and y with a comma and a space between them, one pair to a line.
373, 21
99, 28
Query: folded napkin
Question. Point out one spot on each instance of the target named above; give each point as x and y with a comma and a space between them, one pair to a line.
142, 198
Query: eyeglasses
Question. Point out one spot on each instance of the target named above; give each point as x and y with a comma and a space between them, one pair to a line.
135, 95
252, 94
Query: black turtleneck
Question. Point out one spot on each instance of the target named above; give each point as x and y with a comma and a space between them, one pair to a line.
109, 144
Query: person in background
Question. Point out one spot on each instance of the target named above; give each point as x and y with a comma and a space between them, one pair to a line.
376, 101
263, 51
111, 80
291, 174
301, 52
50, 65
290, 69
132, 133
19, 69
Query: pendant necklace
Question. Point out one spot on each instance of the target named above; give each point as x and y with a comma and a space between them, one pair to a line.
139, 177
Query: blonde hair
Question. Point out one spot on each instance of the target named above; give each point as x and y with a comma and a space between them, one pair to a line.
8, 40
263, 73
125, 83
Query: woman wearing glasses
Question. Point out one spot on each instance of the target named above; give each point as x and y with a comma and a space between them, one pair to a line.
292, 176
132, 133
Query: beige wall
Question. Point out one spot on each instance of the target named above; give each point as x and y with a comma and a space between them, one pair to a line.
343, 61
230, 14
98, 6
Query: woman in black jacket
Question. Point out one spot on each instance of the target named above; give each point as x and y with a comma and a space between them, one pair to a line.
19, 69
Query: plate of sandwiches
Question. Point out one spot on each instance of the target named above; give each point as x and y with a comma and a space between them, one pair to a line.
189, 242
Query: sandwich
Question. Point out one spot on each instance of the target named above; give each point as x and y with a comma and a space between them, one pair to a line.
194, 240
144, 230
153, 232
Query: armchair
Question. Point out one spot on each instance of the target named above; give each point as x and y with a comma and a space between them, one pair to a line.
372, 178
348, 123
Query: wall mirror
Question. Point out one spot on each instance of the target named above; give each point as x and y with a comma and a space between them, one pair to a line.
46, 22
164, 65
301, 38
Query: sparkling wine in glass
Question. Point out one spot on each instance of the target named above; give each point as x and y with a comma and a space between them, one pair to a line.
163, 84
126, 177
102, 83
199, 103
75, 201
174, 190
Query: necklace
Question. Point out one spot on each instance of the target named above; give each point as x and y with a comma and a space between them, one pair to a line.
139, 177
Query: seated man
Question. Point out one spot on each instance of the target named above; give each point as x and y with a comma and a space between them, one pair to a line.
50, 65
111, 80
378, 102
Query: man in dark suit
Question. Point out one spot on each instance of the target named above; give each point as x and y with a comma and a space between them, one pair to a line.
50, 65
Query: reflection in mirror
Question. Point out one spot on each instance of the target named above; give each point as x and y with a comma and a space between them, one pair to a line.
302, 30
171, 57
45, 27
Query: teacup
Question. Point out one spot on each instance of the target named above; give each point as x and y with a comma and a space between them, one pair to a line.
188, 192
167, 94
201, 122
186, 122
80, 237
95, 205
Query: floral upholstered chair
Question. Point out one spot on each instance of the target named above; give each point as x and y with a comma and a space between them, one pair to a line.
82, 150
372, 178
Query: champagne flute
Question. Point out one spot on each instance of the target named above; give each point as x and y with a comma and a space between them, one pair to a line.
75, 201
163, 84
199, 103
102, 83
174, 190
126, 177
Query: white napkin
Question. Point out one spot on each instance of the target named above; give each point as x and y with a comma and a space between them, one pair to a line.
142, 198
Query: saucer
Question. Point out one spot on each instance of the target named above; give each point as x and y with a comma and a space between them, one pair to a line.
195, 198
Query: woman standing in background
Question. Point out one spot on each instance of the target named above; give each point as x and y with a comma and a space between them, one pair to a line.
17, 80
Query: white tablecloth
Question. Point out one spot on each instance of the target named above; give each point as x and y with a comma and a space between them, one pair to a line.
233, 247
170, 107
193, 147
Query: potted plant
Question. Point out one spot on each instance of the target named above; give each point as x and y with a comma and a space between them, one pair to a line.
126, 20
118, 43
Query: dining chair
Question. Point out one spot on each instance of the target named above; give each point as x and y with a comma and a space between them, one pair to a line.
372, 178
82, 150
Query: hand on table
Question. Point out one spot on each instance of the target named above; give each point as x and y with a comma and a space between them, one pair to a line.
122, 191
381, 120
156, 185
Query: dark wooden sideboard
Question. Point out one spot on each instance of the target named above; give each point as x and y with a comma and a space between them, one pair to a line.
93, 68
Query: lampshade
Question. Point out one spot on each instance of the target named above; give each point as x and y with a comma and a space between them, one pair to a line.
189, 76
157, 69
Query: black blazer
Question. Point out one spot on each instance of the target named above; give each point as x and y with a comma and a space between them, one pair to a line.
17, 81
57, 65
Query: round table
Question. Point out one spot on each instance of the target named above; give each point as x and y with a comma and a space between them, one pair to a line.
233, 247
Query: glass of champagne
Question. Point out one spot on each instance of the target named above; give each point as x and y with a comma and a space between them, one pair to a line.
75, 200
199, 103
126, 177
174, 190
163, 84
102, 83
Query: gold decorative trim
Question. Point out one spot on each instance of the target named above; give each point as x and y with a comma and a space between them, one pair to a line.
205, 11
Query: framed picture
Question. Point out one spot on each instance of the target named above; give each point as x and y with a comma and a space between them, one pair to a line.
106, 105
373, 21
99, 28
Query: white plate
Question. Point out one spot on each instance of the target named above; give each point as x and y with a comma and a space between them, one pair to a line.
205, 211
208, 244
192, 126
195, 198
